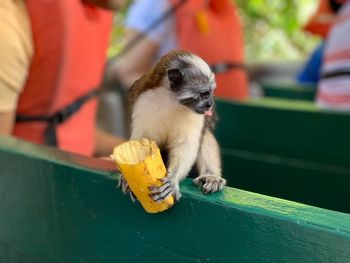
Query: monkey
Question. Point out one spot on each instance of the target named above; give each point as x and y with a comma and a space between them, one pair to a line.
173, 105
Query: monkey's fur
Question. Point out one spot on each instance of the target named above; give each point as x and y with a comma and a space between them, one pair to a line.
170, 104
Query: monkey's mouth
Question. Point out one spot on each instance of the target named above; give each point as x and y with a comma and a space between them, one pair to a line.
209, 112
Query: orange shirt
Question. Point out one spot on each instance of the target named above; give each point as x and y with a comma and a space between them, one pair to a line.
70, 42
211, 30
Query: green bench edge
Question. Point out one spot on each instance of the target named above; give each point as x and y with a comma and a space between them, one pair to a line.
330, 221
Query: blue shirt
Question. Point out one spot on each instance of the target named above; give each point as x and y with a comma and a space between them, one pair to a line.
311, 71
143, 13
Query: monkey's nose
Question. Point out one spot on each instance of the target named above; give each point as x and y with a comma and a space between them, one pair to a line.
209, 104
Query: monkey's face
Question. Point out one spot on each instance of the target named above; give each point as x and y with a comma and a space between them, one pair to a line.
193, 88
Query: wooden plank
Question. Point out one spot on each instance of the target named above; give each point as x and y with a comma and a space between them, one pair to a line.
285, 128
54, 208
287, 149
288, 90
306, 182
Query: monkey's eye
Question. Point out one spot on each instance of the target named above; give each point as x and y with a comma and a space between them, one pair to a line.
204, 95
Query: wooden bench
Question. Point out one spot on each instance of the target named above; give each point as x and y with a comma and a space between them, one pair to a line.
287, 149
288, 89
59, 207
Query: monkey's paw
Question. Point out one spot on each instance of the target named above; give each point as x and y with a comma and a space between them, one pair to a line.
210, 183
123, 184
169, 188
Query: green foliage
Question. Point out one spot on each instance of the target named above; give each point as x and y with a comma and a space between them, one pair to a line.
117, 38
273, 28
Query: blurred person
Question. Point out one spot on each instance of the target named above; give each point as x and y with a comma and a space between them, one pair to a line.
208, 28
52, 56
334, 85
319, 24
321, 21
310, 71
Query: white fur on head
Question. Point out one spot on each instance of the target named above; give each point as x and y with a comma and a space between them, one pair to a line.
194, 64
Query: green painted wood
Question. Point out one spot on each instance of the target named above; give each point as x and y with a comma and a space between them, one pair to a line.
288, 90
287, 149
285, 128
311, 183
58, 207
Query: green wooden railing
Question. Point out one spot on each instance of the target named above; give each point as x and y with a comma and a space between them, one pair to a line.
287, 149
59, 207
288, 90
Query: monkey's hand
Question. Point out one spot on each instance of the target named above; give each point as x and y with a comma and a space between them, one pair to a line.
123, 184
170, 187
210, 183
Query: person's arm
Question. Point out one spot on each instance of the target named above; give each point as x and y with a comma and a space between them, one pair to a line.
15, 55
142, 15
105, 143
134, 63
6, 122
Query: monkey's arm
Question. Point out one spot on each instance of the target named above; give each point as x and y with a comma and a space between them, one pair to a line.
209, 165
181, 158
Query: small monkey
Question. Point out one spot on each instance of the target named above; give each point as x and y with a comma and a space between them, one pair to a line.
172, 104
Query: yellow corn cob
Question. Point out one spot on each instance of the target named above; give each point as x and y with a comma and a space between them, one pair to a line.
141, 164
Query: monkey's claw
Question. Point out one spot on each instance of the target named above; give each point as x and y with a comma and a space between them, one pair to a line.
169, 188
123, 184
210, 183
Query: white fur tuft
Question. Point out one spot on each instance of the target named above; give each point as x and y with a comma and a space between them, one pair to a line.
200, 64
157, 115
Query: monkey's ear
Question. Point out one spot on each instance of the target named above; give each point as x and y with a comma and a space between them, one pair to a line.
175, 75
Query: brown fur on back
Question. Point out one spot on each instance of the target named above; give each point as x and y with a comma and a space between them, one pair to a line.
153, 78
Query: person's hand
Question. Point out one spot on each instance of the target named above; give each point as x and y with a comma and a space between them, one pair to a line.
7, 120
106, 158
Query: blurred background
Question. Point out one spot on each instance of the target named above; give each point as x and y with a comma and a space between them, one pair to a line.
276, 46
269, 36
